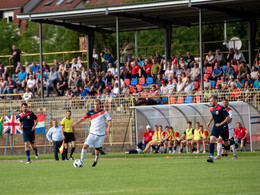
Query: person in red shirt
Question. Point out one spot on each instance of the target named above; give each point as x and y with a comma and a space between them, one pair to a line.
147, 67
136, 70
146, 138
240, 135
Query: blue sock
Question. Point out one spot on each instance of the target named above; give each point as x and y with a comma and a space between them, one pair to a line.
211, 149
232, 142
28, 154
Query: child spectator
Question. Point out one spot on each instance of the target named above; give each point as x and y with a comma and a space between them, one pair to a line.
27, 95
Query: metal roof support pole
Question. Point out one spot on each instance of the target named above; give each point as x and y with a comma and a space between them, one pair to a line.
136, 45
40, 33
251, 40
167, 42
90, 47
118, 53
201, 50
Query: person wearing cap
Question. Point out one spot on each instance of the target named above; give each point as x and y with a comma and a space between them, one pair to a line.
147, 137
231, 81
163, 88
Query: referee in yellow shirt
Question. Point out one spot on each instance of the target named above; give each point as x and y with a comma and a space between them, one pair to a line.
68, 135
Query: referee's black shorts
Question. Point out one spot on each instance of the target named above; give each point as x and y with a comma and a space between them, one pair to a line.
69, 137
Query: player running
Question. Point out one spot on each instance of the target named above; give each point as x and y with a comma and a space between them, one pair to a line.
231, 135
97, 132
28, 122
220, 128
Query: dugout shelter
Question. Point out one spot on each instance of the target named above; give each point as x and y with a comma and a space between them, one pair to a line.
177, 116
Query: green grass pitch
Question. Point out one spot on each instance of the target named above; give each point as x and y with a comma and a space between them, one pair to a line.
118, 173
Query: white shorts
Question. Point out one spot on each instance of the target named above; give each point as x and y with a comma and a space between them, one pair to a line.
230, 134
95, 141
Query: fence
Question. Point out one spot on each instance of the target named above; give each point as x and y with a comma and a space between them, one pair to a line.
123, 121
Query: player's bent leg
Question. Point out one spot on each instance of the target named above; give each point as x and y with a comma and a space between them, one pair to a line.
97, 154
33, 146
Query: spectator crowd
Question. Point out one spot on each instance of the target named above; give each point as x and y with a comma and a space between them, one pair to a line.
182, 76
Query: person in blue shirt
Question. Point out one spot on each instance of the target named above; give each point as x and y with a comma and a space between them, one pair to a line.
256, 82
35, 67
55, 136
53, 76
249, 82
28, 122
21, 78
107, 58
240, 82
217, 72
220, 128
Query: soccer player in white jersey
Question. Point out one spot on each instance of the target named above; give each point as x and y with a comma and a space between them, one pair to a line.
97, 132
220, 147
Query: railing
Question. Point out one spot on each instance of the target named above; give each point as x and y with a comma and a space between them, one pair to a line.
148, 50
118, 108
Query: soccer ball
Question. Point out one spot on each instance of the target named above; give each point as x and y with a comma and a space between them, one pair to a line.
77, 163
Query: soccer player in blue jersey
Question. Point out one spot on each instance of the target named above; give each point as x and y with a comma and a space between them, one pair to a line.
220, 128
28, 122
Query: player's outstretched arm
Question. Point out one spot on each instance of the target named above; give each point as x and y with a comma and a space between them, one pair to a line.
79, 121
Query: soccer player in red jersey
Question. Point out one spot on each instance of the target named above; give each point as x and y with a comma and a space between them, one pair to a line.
97, 132
220, 128
28, 122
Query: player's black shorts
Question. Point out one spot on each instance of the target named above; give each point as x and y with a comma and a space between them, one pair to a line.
225, 147
69, 137
220, 131
29, 136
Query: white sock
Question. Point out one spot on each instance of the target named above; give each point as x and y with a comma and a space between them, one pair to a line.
96, 158
83, 155
219, 148
234, 150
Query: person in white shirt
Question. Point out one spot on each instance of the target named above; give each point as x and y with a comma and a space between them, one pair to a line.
111, 69
95, 55
128, 50
27, 95
171, 87
31, 84
189, 86
76, 64
115, 90
239, 57
55, 136
168, 72
195, 72
97, 132
180, 85
163, 88
209, 59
